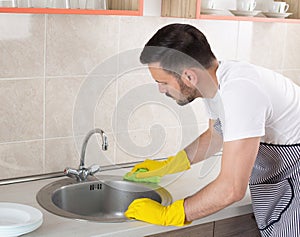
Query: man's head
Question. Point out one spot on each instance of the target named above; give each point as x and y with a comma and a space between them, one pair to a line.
174, 55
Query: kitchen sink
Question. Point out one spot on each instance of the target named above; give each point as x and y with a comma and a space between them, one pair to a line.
104, 199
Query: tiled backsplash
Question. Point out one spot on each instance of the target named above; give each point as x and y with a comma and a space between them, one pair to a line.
62, 75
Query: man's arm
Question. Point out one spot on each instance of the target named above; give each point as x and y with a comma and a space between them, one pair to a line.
230, 186
206, 145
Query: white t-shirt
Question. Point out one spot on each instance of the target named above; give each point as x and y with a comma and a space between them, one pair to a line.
256, 102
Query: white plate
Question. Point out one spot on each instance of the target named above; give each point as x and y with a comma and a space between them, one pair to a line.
20, 230
277, 15
17, 219
244, 13
210, 11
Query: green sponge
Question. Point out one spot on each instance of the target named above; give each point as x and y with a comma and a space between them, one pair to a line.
132, 177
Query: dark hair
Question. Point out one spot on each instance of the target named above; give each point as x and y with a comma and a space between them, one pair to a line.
176, 46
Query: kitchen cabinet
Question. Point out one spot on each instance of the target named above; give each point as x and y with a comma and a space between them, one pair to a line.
240, 226
114, 7
192, 9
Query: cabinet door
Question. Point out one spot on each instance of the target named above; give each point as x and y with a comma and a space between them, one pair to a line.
240, 226
204, 230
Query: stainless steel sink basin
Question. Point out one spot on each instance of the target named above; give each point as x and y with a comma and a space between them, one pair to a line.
103, 200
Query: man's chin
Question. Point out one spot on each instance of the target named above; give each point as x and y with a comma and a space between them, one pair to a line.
183, 102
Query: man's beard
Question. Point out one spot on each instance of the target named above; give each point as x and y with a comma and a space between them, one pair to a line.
188, 94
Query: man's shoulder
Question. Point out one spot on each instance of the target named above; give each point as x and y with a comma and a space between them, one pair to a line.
230, 71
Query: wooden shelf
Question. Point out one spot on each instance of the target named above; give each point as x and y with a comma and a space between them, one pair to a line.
244, 18
138, 12
194, 11
69, 11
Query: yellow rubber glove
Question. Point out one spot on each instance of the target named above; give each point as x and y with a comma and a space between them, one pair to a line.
147, 210
173, 164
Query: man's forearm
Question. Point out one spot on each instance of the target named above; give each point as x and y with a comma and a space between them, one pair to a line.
231, 184
204, 146
212, 198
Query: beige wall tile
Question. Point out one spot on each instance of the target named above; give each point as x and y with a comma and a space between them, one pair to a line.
293, 75
65, 152
161, 142
78, 43
106, 109
22, 45
292, 47
95, 95
94, 104
141, 106
135, 146
135, 32
262, 43
64, 95
60, 153
21, 110
21, 159
60, 98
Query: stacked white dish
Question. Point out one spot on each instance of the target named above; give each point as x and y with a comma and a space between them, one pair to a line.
18, 219
211, 11
244, 13
277, 14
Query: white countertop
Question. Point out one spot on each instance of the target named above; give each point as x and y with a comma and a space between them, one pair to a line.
179, 185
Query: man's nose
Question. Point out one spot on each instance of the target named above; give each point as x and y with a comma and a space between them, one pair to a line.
162, 88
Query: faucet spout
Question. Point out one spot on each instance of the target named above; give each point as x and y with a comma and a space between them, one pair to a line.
85, 142
83, 173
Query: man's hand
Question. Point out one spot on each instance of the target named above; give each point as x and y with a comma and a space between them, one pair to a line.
173, 164
147, 210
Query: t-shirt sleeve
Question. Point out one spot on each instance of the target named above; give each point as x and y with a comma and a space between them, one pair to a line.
211, 108
245, 110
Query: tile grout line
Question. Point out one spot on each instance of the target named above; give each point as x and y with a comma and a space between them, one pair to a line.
115, 123
237, 40
44, 94
284, 48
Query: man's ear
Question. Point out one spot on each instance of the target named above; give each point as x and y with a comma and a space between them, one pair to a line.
189, 76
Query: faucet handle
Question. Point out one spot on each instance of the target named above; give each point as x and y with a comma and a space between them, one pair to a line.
93, 169
72, 173
69, 171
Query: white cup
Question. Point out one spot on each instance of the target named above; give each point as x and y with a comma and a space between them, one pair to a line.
208, 4
279, 7
245, 5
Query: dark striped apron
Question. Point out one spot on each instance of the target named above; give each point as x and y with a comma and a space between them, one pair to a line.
275, 192
275, 189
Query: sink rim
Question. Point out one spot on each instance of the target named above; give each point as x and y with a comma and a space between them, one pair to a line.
45, 194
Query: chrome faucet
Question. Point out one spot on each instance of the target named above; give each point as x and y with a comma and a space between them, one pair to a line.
82, 173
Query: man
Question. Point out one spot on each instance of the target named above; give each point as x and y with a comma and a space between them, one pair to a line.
254, 115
